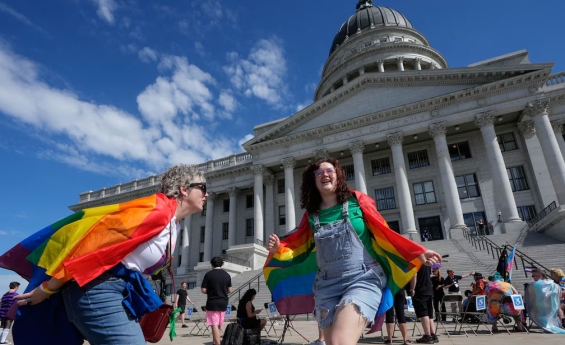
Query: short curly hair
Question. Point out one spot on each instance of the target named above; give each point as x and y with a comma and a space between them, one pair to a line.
177, 176
310, 198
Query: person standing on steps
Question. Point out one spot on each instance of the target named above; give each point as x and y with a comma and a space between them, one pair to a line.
451, 283
180, 302
426, 235
481, 226
216, 285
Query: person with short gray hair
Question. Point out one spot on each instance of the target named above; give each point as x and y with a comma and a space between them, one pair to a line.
179, 176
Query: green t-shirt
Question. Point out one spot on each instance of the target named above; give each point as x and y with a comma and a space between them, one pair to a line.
333, 214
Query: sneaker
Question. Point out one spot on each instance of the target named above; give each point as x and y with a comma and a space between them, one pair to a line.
184, 326
426, 339
435, 338
318, 342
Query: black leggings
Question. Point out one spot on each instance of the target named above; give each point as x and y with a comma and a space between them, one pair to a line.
399, 301
437, 302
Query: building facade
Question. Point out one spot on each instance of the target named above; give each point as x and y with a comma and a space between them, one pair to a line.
438, 148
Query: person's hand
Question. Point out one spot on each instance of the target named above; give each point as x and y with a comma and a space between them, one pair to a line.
438, 287
258, 311
33, 297
429, 258
273, 244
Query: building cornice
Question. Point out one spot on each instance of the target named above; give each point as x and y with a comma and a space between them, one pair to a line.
116, 199
276, 136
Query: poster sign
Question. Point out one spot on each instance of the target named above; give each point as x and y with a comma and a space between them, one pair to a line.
518, 302
409, 304
481, 303
273, 312
228, 311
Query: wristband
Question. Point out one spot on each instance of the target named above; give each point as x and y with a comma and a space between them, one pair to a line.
43, 287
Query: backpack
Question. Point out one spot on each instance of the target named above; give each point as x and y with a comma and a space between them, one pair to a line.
233, 335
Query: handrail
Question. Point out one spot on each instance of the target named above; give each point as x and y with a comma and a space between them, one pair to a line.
246, 285
542, 214
235, 260
483, 242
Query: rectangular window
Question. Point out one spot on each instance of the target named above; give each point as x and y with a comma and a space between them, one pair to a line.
226, 205
418, 159
203, 213
349, 172
472, 222
249, 201
424, 193
280, 186
202, 233
201, 257
394, 225
282, 215
385, 199
383, 39
380, 166
517, 179
225, 230
249, 227
191, 285
527, 213
467, 186
459, 151
507, 142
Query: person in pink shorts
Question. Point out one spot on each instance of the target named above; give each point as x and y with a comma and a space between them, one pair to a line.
217, 286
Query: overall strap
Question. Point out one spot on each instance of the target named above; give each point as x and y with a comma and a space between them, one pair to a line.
316, 221
345, 210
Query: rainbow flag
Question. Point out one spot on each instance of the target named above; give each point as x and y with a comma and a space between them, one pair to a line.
510, 264
89, 242
290, 272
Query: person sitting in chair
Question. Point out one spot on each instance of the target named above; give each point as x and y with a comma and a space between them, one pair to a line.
247, 314
498, 293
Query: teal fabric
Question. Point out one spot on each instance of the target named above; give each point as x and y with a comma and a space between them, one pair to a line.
542, 303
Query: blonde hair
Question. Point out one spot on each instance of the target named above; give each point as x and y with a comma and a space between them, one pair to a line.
558, 271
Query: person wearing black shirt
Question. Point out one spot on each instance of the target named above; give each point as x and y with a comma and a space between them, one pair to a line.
246, 312
452, 285
421, 290
437, 284
216, 285
398, 308
180, 302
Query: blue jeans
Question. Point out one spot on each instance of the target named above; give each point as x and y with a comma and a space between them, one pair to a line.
97, 312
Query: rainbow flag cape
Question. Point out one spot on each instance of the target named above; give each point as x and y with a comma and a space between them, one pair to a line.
291, 271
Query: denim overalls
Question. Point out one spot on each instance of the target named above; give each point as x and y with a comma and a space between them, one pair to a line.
347, 272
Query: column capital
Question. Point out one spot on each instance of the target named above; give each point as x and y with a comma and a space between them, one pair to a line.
436, 129
380, 61
537, 107
484, 119
288, 162
526, 127
357, 147
258, 169
558, 125
418, 59
395, 138
268, 180
321, 154
211, 196
400, 58
233, 191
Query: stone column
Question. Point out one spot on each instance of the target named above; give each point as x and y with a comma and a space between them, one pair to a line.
558, 129
402, 188
258, 171
544, 187
185, 255
209, 230
418, 64
232, 225
451, 195
553, 156
502, 188
357, 148
269, 205
381, 64
361, 71
400, 63
289, 163
344, 80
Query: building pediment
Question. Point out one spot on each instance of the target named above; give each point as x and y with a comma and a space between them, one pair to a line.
414, 92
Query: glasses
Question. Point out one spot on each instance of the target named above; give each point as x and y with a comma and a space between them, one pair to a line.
199, 185
320, 172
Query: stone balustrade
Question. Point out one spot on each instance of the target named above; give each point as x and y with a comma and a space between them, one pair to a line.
555, 79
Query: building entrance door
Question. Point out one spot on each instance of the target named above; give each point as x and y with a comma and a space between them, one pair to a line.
433, 225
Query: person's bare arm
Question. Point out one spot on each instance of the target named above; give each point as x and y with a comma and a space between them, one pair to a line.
229, 289
413, 285
37, 295
203, 290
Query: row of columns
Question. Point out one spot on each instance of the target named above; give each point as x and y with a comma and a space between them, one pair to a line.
550, 138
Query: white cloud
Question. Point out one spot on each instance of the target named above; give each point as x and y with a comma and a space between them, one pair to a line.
3, 232
106, 9
245, 139
227, 101
22, 18
262, 74
148, 55
6, 279
108, 140
199, 48
301, 106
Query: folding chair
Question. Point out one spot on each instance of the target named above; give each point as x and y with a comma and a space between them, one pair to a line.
197, 320
410, 315
272, 316
518, 321
205, 328
230, 316
475, 315
450, 299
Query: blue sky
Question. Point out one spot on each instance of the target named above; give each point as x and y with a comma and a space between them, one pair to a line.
98, 92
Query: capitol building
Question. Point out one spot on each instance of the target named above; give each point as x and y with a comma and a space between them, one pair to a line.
438, 148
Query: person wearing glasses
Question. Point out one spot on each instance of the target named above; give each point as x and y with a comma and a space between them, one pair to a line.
102, 281
352, 269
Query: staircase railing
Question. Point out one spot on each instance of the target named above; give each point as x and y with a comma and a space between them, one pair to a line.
542, 214
253, 283
485, 243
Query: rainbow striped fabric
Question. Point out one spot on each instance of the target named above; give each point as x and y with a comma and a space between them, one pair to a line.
291, 271
89, 242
